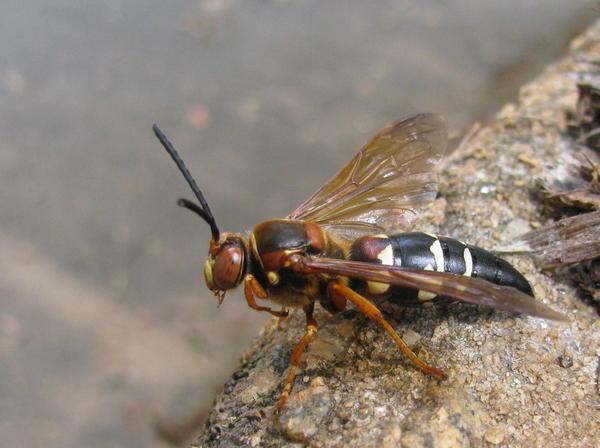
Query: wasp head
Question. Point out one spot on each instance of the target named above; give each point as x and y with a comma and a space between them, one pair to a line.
226, 264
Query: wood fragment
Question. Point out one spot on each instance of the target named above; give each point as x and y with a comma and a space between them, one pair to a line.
564, 242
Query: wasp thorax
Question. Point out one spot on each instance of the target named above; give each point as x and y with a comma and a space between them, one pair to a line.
225, 265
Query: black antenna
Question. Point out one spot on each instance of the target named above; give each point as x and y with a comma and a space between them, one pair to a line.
204, 210
186, 203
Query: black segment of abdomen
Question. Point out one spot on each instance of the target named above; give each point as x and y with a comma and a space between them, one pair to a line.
418, 250
496, 270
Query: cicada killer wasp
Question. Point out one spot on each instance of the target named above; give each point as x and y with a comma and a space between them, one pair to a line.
344, 244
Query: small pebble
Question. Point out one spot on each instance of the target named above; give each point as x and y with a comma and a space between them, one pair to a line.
565, 361
255, 439
239, 374
528, 160
411, 337
495, 435
392, 438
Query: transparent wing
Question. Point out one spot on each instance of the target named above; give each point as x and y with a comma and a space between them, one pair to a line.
466, 289
385, 184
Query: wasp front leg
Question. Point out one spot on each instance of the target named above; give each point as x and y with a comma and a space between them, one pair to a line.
339, 292
311, 331
253, 288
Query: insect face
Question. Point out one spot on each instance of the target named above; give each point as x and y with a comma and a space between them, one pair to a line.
226, 264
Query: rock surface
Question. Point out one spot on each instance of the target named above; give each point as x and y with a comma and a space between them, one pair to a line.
508, 383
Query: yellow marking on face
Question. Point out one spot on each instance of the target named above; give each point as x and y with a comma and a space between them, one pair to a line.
208, 273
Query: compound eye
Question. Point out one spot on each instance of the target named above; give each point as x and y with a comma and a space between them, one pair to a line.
228, 267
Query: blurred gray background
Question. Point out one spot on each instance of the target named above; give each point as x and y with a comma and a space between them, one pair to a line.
107, 333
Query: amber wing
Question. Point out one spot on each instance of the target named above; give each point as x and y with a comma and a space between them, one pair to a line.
466, 289
386, 183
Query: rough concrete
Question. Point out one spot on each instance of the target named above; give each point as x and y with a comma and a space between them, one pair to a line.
513, 381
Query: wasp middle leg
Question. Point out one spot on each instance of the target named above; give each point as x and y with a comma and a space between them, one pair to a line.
339, 292
311, 331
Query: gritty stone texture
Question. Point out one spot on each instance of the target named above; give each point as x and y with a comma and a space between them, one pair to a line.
513, 381
495, 435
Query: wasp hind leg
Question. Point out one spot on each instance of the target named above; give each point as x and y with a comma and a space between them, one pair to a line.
338, 291
311, 331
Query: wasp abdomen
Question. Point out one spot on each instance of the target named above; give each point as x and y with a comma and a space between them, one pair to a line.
424, 251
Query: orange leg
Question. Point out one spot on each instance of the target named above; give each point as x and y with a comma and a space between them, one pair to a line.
340, 291
252, 288
311, 331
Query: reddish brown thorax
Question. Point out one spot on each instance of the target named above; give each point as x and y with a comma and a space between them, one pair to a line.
274, 241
